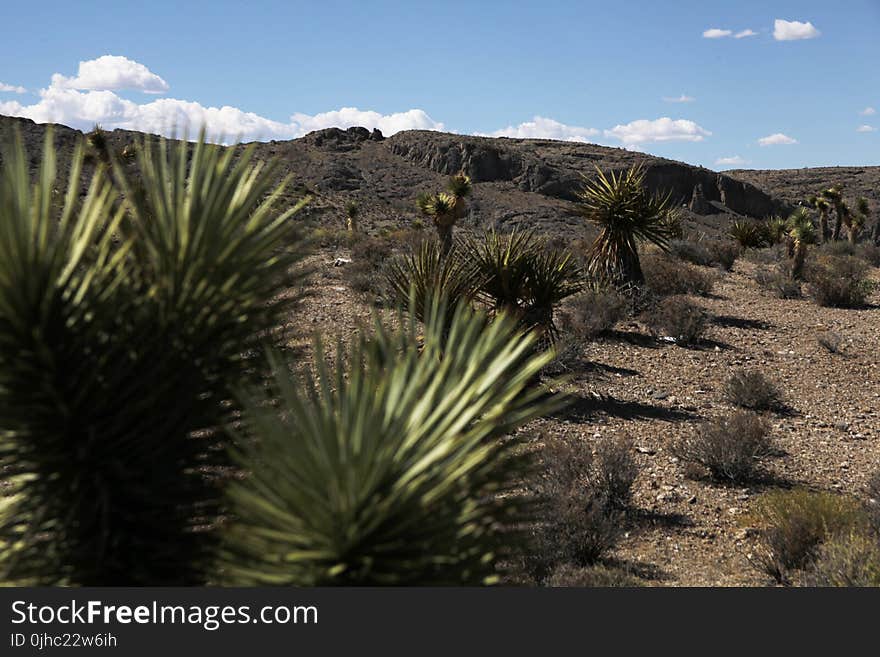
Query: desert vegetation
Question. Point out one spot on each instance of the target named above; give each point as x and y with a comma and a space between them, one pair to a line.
424, 436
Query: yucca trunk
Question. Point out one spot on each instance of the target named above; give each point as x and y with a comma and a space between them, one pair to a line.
838, 222
444, 232
823, 226
797, 265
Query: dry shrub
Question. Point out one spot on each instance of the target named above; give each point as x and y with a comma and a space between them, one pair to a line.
839, 281
844, 561
751, 389
724, 253
870, 253
778, 282
591, 313
794, 524
583, 498
830, 341
568, 575
666, 276
728, 447
706, 253
677, 317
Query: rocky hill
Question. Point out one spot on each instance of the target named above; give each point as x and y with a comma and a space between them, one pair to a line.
795, 185
517, 181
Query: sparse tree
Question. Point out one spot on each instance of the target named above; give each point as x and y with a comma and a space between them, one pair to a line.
834, 195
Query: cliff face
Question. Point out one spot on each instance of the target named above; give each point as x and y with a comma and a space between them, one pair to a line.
527, 182
554, 168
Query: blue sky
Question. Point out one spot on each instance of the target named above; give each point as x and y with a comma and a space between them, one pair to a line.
605, 72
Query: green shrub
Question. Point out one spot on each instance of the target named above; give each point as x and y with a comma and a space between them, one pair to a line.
839, 282
677, 317
845, 561
122, 329
795, 523
728, 447
665, 276
751, 389
394, 467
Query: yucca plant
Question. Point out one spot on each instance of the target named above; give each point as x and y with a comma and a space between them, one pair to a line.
122, 328
626, 213
748, 233
776, 229
834, 196
389, 471
352, 212
802, 232
414, 279
821, 204
522, 276
446, 208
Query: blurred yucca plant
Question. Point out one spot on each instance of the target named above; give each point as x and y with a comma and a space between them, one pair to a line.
626, 213
122, 327
389, 471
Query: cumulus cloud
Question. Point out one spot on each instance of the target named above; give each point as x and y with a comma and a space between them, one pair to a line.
662, 129
742, 34
716, 33
72, 102
868, 111
11, 88
776, 139
112, 73
866, 128
734, 160
679, 99
543, 128
793, 30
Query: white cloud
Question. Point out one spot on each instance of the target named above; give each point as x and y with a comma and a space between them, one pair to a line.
71, 102
735, 160
744, 33
793, 30
12, 88
716, 33
776, 139
662, 129
868, 111
680, 99
112, 73
866, 128
543, 128
168, 116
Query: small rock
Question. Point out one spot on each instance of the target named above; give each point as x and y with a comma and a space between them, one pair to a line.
339, 262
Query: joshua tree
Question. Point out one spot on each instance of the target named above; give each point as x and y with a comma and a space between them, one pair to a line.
802, 233
822, 206
834, 195
446, 208
626, 213
863, 208
352, 210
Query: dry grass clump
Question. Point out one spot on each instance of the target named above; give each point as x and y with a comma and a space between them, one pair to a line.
795, 524
728, 447
751, 389
677, 317
666, 276
777, 281
845, 561
706, 253
568, 575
